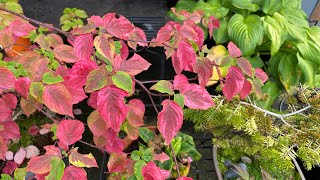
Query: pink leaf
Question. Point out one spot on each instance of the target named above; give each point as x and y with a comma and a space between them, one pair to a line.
152, 172
177, 63
200, 35
52, 150
188, 32
82, 160
70, 131
10, 100
213, 24
19, 156
33, 130
234, 51
78, 94
117, 162
135, 65
260, 74
186, 55
20, 28
180, 81
204, 69
9, 168
58, 99
116, 147
118, 27
9, 130
196, 97
234, 82
96, 124
110, 136
32, 151
80, 71
83, 45
3, 148
65, 53
165, 33
170, 120
7, 79
74, 173
97, 20
161, 157
92, 101
124, 51
246, 89
245, 66
9, 155
137, 36
105, 46
136, 111
22, 86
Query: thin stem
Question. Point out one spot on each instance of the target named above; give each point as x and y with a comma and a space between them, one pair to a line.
36, 22
298, 169
88, 144
215, 161
175, 159
155, 81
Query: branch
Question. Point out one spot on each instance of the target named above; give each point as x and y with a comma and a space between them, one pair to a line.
298, 169
36, 22
155, 81
215, 161
175, 159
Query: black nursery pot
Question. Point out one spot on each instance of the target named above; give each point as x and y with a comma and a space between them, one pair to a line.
171, 3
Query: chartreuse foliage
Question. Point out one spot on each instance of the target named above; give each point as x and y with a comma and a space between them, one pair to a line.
241, 129
276, 28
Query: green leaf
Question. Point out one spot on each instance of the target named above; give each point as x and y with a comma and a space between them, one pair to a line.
295, 4
138, 169
96, 80
163, 86
288, 71
5, 177
67, 11
67, 26
51, 78
145, 134
256, 61
123, 81
81, 13
275, 33
147, 155
220, 35
271, 6
15, 7
20, 173
65, 18
178, 98
245, 4
310, 48
135, 155
36, 90
308, 70
211, 8
54, 130
246, 33
188, 147
57, 169
176, 144
118, 47
273, 91
296, 17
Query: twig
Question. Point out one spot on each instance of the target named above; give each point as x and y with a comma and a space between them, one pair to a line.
175, 159
215, 161
155, 81
36, 22
88, 144
298, 168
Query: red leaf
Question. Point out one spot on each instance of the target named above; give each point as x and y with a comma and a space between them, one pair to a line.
58, 99
70, 131
22, 86
135, 65
92, 101
19, 156
177, 63
9, 130
245, 66
10, 167
170, 120
110, 136
20, 28
83, 45
124, 51
234, 82
152, 172
118, 27
186, 55
234, 51
116, 147
3, 148
200, 35
78, 94
136, 111
97, 20
65, 53
117, 162
40, 164
196, 97
33, 130
179, 81
96, 124
80, 71
165, 33
246, 89
7, 79
52, 150
260, 74
74, 173
82, 160
204, 70
213, 24
10, 100
188, 32
105, 46
161, 157
111, 106
137, 36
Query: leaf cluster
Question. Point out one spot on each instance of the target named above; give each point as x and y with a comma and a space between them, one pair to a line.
72, 18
